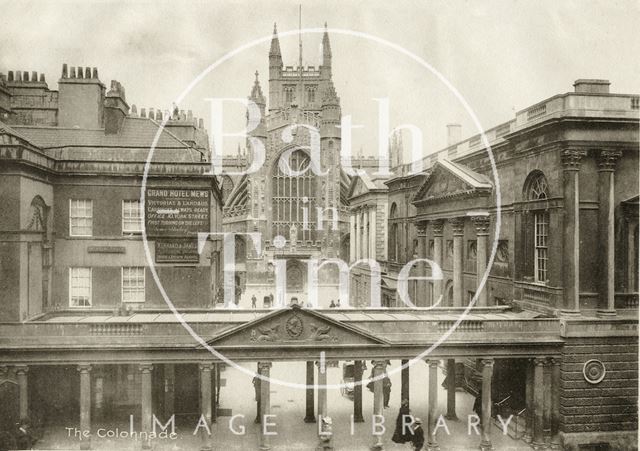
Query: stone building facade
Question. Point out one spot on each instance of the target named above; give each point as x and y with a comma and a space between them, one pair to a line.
567, 246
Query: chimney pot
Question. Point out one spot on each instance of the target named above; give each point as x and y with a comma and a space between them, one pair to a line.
95, 73
65, 71
34, 76
18, 75
87, 72
134, 110
79, 72
42, 80
158, 115
72, 72
25, 76
10, 75
143, 112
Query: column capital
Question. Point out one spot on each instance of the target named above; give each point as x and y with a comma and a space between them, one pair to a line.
21, 369
146, 368
432, 362
206, 366
539, 361
607, 159
571, 158
264, 366
421, 227
457, 225
438, 227
487, 362
380, 364
84, 368
481, 224
555, 361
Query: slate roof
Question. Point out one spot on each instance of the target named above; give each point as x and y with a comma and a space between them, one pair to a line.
136, 132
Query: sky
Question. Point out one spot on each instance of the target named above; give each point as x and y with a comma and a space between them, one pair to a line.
500, 56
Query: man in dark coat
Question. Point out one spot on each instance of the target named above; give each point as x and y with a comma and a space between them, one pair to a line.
417, 441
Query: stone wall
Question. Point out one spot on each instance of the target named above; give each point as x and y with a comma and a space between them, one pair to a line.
591, 412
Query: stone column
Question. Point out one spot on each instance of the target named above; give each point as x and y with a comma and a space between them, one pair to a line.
546, 411
423, 267
365, 233
85, 403
538, 403
457, 225
23, 390
357, 235
482, 234
378, 369
352, 237
146, 400
438, 286
322, 391
264, 368
606, 172
555, 402
372, 232
487, 373
169, 391
404, 381
432, 442
357, 392
451, 389
571, 231
205, 403
309, 416
528, 435
215, 382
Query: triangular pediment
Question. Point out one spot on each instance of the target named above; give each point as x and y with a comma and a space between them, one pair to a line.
358, 188
448, 179
294, 327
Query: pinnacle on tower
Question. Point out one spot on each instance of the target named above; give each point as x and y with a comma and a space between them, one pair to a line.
326, 48
256, 92
274, 51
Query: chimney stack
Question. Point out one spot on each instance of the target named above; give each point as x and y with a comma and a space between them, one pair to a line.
592, 86
454, 134
81, 99
115, 108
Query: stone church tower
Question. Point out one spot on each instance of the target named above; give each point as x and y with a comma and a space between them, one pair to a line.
296, 201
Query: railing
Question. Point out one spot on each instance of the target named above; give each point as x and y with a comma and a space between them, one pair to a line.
517, 427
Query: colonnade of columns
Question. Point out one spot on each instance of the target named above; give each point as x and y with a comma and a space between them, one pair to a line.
481, 222
542, 399
362, 235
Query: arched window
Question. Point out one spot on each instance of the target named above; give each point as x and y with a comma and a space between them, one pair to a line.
291, 195
394, 234
536, 234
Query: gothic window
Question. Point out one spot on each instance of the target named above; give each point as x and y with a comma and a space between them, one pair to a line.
311, 94
289, 96
292, 196
536, 228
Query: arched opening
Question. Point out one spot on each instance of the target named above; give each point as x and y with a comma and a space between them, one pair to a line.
536, 227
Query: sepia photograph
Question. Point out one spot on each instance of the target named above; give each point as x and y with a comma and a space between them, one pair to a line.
319, 225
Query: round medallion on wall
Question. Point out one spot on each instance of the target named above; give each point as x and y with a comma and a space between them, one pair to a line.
294, 326
594, 371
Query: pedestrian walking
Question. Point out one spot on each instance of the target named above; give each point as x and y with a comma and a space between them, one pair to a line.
402, 432
253, 301
417, 439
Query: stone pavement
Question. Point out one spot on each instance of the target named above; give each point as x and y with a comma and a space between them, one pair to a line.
292, 433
